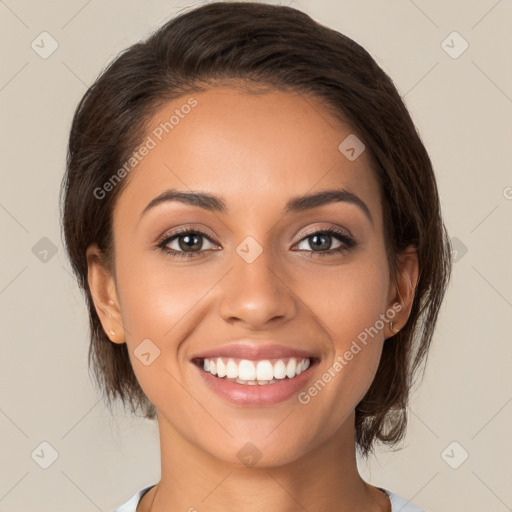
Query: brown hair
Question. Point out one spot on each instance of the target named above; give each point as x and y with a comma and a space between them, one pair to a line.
276, 47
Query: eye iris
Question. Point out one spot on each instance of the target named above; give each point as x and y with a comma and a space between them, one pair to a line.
192, 242
323, 237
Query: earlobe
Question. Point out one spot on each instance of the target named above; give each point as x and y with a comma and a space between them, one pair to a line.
404, 289
102, 286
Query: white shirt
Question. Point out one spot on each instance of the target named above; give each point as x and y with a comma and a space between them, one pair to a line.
398, 504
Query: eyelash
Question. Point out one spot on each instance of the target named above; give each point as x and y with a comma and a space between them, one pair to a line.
347, 241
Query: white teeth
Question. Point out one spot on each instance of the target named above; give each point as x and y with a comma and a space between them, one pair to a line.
231, 369
280, 370
290, 368
221, 369
264, 370
256, 372
246, 370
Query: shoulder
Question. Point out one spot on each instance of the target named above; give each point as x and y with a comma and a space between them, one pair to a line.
131, 504
399, 503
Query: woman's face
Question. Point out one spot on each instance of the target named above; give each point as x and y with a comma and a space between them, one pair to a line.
258, 276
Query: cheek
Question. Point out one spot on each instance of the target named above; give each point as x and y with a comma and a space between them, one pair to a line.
350, 308
349, 300
157, 303
157, 295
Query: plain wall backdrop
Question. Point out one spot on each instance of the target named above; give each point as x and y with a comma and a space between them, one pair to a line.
60, 449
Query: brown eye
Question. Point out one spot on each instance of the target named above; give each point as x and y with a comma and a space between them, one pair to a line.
185, 243
321, 241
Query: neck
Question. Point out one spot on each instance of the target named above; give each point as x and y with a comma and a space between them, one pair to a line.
326, 478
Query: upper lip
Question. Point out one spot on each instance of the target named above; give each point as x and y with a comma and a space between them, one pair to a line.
252, 350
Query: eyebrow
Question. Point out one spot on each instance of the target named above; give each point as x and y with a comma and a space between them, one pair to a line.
213, 203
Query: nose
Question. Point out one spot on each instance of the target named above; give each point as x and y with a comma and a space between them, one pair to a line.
258, 292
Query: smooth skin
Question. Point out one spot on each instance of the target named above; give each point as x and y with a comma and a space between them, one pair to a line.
255, 151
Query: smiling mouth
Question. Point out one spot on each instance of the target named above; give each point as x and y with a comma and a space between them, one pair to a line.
260, 372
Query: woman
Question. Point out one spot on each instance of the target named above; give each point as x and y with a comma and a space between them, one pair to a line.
256, 227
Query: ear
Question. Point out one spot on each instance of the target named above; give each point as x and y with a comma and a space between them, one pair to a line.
104, 294
402, 292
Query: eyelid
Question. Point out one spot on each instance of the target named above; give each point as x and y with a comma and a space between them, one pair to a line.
343, 236
312, 231
173, 233
205, 232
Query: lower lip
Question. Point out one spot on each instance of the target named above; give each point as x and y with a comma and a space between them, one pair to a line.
257, 395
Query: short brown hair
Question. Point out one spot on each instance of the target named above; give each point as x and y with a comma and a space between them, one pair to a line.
283, 48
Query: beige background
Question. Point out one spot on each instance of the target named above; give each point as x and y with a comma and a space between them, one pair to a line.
463, 109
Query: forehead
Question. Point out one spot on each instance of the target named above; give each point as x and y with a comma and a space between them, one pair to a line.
249, 148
